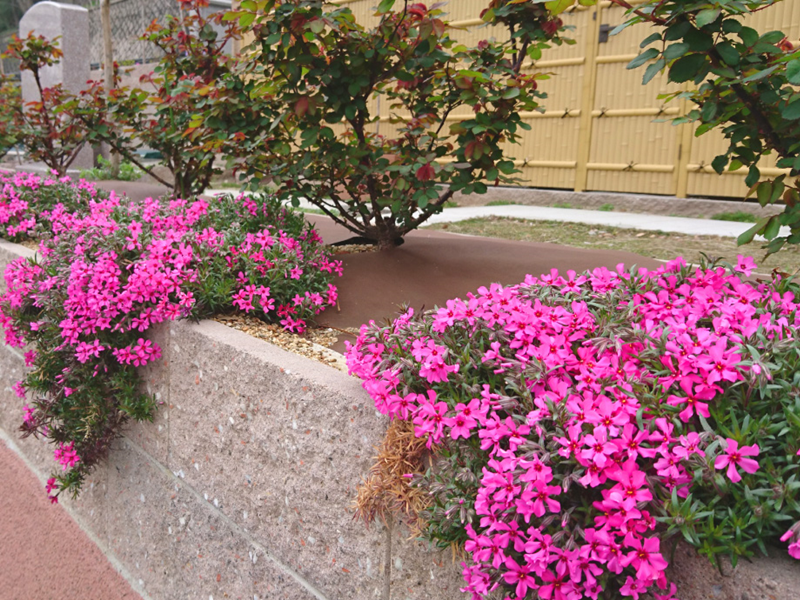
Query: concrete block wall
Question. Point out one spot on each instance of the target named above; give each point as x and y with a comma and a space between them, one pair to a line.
243, 485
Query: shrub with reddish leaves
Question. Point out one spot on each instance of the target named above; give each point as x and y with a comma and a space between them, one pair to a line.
580, 424
110, 271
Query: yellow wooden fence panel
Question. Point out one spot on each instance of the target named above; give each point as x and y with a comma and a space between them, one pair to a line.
601, 129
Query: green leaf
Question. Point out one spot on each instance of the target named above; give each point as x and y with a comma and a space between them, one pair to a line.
677, 31
556, 7
753, 176
385, 6
791, 111
708, 112
652, 70
676, 50
246, 20
731, 26
506, 167
698, 40
773, 228
764, 193
643, 58
709, 15
748, 235
759, 74
719, 162
749, 36
793, 71
728, 53
686, 68
655, 37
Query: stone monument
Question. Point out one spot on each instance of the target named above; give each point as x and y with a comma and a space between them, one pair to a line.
71, 23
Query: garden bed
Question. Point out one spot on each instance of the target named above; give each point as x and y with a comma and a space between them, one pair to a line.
244, 483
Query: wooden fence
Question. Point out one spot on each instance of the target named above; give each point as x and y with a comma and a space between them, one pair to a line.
602, 129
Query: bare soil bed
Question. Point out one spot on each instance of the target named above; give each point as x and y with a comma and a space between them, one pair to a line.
658, 245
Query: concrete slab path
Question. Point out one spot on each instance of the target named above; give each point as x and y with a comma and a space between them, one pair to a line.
644, 222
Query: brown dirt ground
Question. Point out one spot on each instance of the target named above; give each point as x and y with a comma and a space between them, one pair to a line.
658, 245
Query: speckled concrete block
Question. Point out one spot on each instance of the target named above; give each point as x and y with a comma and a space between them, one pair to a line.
153, 437
279, 452
12, 369
12, 363
177, 545
91, 506
773, 578
420, 572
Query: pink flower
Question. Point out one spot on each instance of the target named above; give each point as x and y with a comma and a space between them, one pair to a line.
694, 395
645, 557
66, 455
464, 422
520, 576
794, 549
51, 485
735, 456
745, 264
430, 418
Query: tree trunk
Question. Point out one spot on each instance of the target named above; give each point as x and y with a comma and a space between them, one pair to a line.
386, 236
108, 71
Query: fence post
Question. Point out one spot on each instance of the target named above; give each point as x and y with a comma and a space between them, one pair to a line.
71, 24
587, 100
108, 70
684, 135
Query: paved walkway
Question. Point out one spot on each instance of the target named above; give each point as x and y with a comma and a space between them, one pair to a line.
594, 217
44, 554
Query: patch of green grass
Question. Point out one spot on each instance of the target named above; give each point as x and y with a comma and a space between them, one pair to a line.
451, 204
562, 205
313, 211
500, 203
127, 171
739, 216
607, 207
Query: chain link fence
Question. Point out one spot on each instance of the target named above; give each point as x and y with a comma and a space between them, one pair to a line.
129, 20
10, 65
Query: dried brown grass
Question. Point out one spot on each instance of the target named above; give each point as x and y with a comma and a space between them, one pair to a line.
386, 491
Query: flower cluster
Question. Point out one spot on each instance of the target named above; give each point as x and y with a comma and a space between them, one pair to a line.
577, 422
110, 270
26, 200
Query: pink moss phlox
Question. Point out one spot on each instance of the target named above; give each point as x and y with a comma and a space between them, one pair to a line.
684, 341
110, 269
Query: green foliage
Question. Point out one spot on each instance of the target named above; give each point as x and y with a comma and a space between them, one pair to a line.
743, 83
313, 69
127, 171
738, 216
10, 103
167, 115
109, 269
607, 207
48, 133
